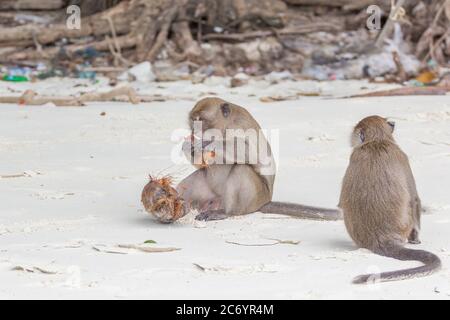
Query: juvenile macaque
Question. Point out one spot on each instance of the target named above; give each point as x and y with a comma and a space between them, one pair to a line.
236, 168
379, 200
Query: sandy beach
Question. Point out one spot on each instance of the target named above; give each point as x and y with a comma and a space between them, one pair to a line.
72, 179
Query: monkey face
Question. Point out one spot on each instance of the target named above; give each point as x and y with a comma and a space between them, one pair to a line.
371, 129
210, 113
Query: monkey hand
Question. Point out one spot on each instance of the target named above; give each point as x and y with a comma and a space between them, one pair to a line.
199, 152
162, 201
208, 155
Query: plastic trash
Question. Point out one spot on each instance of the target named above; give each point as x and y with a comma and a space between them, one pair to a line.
14, 78
142, 72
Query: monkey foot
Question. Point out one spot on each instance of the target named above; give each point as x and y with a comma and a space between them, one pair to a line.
211, 215
414, 237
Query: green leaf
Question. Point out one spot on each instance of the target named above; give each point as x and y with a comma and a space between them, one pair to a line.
150, 242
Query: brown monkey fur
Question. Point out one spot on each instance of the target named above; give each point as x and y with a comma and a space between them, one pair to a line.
379, 200
229, 188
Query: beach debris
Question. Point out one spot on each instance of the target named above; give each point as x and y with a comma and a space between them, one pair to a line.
236, 269
272, 242
426, 77
16, 74
12, 78
406, 91
239, 80
28, 174
142, 72
35, 269
148, 249
296, 96
131, 248
110, 249
276, 77
161, 200
30, 97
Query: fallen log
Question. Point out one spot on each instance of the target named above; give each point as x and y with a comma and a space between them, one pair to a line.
96, 25
32, 4
406, 91
50, 53
120, 94
31, 98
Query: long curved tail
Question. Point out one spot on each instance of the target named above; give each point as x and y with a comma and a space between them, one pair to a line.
431, 262
301, 211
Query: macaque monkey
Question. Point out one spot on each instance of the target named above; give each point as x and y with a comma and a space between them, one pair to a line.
236, 168
379, 200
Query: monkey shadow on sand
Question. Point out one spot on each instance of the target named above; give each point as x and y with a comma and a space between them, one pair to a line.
148, 221
340, 243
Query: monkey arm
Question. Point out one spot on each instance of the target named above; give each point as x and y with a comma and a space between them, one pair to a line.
237, 151
194, 150
205, 153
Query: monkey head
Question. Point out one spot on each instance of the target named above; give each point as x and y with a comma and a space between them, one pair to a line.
213, 113
373, 128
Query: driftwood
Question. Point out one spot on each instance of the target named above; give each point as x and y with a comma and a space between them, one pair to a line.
52, 52
145, 25
31, 4
389, 25
120, 94
346, 5
31, 98
96, 25
406, 91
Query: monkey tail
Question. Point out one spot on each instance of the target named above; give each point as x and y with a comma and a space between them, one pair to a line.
301, 211
431, 262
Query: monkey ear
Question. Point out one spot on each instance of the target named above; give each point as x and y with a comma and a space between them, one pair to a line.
362, 136
392, 125
226, 110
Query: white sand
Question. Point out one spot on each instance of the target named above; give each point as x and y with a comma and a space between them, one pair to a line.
85, 173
